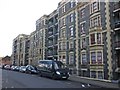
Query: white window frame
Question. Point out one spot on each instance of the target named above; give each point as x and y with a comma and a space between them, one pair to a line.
63, 45
71, 44
82, 13
101, 56
82, 28
85, 57
96, 39
96, 56
71, 17
92, 6
63, 9
71, 56
95, 21
71, 31
83, 44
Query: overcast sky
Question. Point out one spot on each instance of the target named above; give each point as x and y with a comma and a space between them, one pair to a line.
19, 16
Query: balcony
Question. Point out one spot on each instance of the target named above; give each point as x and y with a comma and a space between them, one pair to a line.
96, 63
84, 66
117, 45
117, 7
95, 28
117, 25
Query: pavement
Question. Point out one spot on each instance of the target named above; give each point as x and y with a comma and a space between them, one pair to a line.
101, 83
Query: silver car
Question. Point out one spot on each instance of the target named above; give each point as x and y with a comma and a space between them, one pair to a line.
22, 69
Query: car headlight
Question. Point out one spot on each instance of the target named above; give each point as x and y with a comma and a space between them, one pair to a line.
58, 72
68, 73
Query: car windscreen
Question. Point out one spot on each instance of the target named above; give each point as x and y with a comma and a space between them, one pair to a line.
33, 68
59, 65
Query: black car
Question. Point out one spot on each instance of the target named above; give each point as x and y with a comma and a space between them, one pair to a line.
53, 69
31, 69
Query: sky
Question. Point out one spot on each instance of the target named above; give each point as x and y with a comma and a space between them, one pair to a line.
19, 17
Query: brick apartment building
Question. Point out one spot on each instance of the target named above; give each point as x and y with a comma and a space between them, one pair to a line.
83, 35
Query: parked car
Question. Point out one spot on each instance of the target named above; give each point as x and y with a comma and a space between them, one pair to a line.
3, 66
16, 68
31, 69
22, 69
7, 67
13, 67
53, 69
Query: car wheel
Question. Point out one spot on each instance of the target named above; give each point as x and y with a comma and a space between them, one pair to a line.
29, 72
40, 74
53, 77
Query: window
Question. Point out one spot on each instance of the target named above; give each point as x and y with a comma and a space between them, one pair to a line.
49, 52
71, 31
60, 46
63, 33
95, 4
40, 51
60, 22
63, 9
97, 60
71, 44
60, 57
99, 38
71, 4
92, 36
63, 21
83, 43
95, 21
93, 74
99, 20
50, 32
99, 57
71, 17
96, 38
84, 59
63, 57
93, 58
100, 75
64, 46
71, 61
82, 13
94, 7
83, 28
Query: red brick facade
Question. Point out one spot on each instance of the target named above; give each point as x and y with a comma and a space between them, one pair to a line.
6, 60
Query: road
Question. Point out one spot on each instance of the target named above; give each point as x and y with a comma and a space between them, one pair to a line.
13, 79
